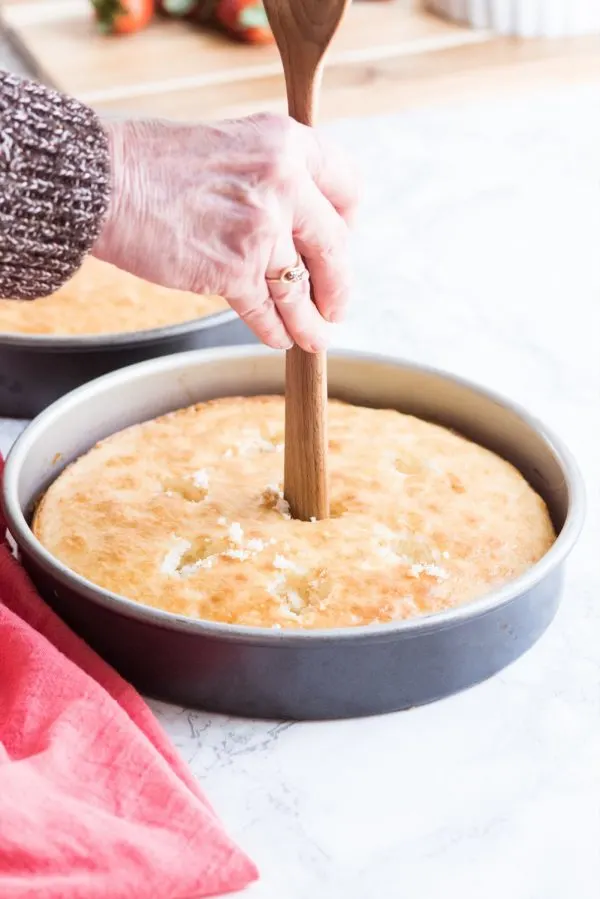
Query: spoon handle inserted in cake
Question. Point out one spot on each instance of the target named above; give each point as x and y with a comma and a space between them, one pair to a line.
303, 30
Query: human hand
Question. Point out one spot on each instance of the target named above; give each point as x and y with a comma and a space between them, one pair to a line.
220, 208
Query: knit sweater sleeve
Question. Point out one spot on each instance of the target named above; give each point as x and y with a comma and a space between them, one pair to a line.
54, 186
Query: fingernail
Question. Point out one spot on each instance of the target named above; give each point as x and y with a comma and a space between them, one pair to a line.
335, 316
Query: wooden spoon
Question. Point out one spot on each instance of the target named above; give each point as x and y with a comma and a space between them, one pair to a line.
303, 30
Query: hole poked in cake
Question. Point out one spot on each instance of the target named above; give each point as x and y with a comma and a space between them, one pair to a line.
420, 552
268, 439
272, 498
408, 464
296, 590
185, 557
193, 488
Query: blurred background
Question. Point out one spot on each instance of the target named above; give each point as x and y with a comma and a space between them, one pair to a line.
212, 58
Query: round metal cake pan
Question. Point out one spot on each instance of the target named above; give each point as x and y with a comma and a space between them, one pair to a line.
37, 369
265, 673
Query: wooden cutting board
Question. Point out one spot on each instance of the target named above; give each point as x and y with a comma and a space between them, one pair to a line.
389, 56
175, 70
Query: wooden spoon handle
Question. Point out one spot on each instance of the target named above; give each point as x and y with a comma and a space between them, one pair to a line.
305, 477
306, 481
303, 97
303, 30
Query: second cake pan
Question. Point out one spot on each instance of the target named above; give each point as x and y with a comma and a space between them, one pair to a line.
37, 369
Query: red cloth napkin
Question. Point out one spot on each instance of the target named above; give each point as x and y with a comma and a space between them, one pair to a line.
94, 801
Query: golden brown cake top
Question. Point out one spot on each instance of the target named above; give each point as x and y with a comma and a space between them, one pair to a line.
185, 513
102, 299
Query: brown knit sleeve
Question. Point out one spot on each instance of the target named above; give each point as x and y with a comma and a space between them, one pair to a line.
54, 186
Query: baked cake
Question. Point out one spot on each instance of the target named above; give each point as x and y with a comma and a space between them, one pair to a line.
102, 299
185, 513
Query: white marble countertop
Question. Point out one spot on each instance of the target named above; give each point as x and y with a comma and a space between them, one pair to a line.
477, 251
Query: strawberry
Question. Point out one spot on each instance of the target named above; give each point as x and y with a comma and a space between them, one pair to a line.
245, 19
123, 16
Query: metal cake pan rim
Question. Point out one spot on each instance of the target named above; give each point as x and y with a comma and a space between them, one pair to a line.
113, 340
550, 562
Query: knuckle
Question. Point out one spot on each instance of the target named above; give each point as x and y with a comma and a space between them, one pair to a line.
256, 213
263, 320
268, 122
244, 245
281, 149
272, 129
297, 302
277, 168
257, 311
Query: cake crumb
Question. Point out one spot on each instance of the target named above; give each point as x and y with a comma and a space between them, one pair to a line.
236, 532
284, 564
240, 554
201, 479
255, 443
171, 562
256, 545
273, 498
432, 570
